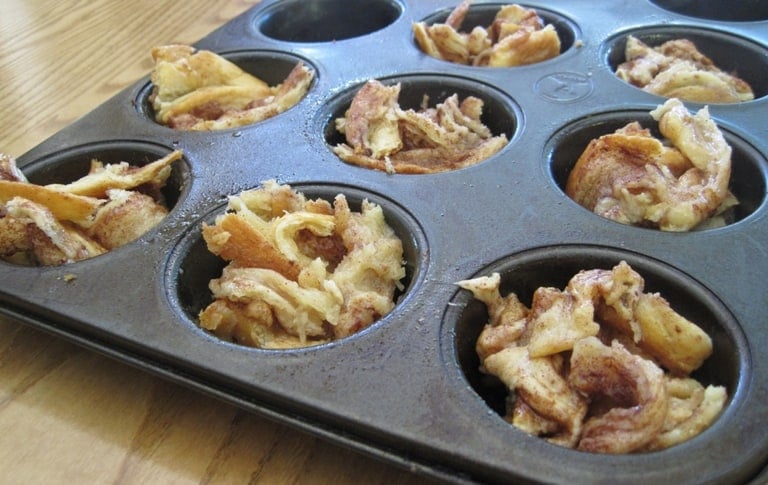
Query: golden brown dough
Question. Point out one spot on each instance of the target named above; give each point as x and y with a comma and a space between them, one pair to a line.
234, 239
539, 382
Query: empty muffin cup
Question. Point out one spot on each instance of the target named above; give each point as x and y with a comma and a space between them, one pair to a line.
326, 20
741, 11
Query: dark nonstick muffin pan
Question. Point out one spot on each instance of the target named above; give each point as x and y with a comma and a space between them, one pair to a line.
408, 389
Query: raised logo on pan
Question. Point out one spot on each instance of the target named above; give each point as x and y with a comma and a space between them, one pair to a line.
564, 87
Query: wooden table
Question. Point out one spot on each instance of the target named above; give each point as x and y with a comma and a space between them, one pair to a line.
69, 415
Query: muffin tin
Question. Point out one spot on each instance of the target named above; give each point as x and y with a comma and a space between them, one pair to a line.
407, 389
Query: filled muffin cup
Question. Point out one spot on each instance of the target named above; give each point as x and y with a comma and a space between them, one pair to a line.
500, 114
272, 67
748, 166
525, 272
192, 265
72, 163
730, 53
483, 15
102, 232
522, 273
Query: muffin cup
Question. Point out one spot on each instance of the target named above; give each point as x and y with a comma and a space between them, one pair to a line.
272, 67
193, 266
326, 20
748, 11
553, 266
483, 15
731, 53
748, 166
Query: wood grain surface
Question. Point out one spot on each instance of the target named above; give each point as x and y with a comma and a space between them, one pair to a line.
69, 415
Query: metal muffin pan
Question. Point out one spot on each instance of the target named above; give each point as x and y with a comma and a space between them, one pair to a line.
407, 389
